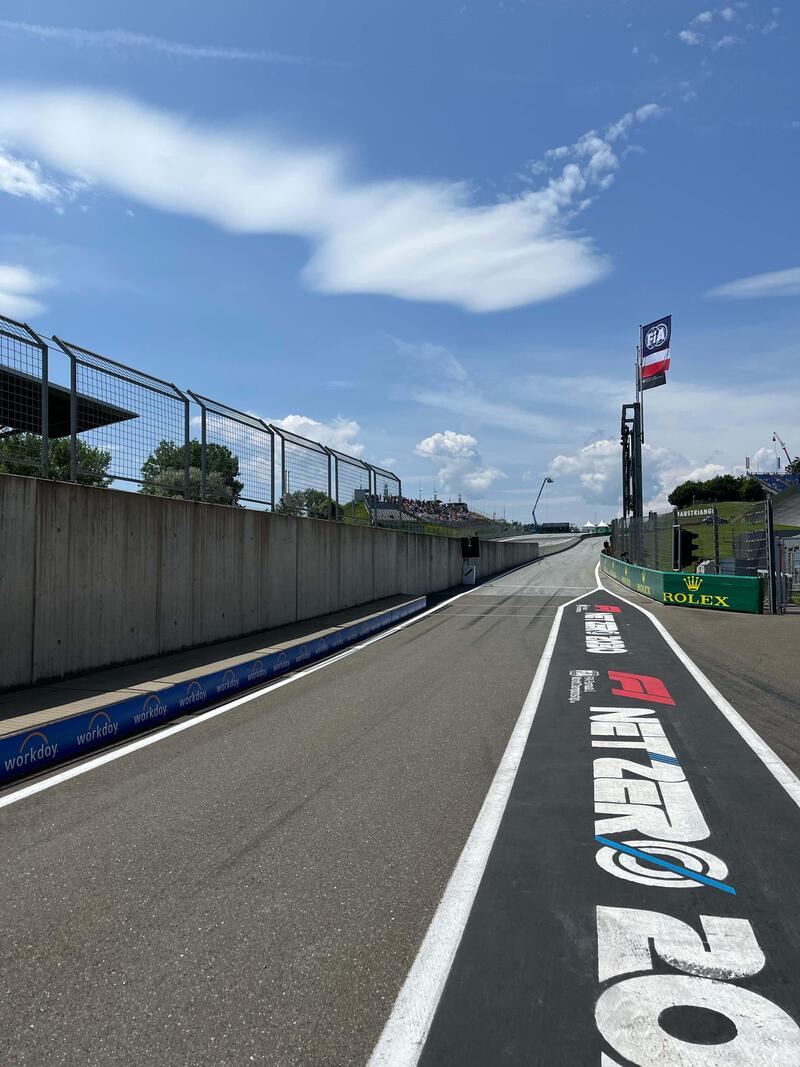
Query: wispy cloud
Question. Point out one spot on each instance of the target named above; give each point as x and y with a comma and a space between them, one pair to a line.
728, 41
18, 288
412, 239
431, 359
125, 40
724, 17
20, 177
773, 283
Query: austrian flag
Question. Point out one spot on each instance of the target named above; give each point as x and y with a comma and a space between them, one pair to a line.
656, 337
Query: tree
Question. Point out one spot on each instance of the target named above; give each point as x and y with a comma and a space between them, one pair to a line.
714, 490
163, 475
310, 503
794, 466
22, 454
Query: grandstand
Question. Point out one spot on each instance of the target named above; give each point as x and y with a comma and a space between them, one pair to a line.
777, 483
439, 511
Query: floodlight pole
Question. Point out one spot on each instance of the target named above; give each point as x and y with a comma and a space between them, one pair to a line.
541, 487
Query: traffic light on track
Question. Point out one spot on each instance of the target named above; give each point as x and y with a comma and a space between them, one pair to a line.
689, 549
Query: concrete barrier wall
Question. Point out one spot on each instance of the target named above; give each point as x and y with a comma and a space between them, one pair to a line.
91, 578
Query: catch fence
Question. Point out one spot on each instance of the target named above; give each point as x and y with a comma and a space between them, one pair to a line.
100, 422
724, 538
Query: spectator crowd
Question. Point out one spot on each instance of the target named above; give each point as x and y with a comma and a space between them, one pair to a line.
438, 511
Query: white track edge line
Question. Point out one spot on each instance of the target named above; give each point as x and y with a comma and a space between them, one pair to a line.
770, 759
406, 1030
160, 735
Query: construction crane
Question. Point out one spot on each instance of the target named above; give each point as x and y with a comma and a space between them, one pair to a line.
777, 437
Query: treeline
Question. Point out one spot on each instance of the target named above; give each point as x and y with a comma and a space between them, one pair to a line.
715, 490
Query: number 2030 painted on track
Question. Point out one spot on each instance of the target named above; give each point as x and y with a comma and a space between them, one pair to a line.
632, 1013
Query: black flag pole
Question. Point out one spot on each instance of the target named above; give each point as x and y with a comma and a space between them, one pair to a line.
639, 389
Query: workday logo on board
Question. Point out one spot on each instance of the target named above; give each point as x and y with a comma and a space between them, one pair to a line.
152, 708
229, 681
195, 694
282, 662
100, 726
322, 646
302, 654
34, 748
258, 670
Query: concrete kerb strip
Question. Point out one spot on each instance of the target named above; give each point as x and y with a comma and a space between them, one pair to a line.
30, 751
154, 736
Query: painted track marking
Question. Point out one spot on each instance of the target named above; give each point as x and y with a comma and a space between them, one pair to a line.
770, 759
403, 1038
406, 1030
648, 858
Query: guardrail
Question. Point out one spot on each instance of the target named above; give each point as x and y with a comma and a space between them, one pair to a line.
715, 592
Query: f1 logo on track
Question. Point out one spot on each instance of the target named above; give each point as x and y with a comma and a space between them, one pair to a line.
637, 686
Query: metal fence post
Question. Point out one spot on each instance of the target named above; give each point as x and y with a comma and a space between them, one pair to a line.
715, 520
45, 412
772, 591
203, 460
186, 434
272, 472
331, 505
73, 418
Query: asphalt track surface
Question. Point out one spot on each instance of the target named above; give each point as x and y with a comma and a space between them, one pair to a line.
256, 888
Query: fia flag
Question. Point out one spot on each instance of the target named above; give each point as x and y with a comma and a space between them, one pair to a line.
656, 337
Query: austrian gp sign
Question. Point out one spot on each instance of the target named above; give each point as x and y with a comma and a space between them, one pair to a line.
720, 592
638, 906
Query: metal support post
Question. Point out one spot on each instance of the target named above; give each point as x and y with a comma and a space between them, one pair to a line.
45, 412
203, 456
186, 433
73, 418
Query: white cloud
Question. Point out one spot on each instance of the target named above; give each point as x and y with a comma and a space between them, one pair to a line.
417, 240
690, 37
768, 27
774, 283
20, 177
459, 462
122, 40
727, 13
725, 42
703, 18
595, 470
340, 433
18, 289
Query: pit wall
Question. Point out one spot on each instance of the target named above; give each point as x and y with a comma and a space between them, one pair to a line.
714, 592
93, 578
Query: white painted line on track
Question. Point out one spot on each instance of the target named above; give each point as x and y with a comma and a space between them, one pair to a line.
403, 1037
770, 759
169, 731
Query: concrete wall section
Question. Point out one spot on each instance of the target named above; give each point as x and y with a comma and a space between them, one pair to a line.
17, 577
91, 578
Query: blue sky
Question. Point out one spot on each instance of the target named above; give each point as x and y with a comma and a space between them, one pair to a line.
425, 232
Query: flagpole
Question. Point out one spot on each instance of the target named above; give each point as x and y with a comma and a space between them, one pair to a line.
639, 389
